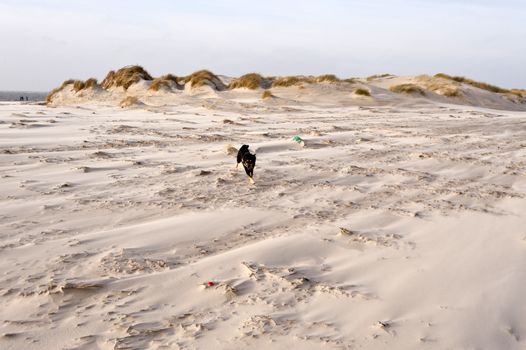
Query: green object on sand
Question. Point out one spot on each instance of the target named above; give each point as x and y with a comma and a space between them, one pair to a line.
297, 139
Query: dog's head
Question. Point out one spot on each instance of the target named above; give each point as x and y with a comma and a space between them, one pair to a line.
243, 149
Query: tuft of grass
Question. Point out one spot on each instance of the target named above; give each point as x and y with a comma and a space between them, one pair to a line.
158, 84
205, 77
286, 81
125, 77
449, 92
294, 80
52, 93
91, 83
250, 81
167, 82
331, 78
442, 87
378, 76
362, 92
267, 94
350, 80
82, 85
78, 85
407, 89
444, 90
129, 101
519, 92
67, 82
444, 76
477, 84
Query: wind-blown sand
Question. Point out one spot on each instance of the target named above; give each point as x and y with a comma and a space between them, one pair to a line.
398, 225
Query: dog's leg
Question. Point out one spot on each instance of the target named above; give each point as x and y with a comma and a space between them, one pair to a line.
237, 165
251, 180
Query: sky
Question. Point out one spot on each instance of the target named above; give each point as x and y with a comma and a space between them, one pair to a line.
44, 42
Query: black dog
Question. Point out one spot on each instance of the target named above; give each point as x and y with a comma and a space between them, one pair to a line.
248, 160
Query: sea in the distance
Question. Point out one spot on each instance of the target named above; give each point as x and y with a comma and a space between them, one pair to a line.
22, 96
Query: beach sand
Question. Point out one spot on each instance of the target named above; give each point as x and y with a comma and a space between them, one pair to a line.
397, 224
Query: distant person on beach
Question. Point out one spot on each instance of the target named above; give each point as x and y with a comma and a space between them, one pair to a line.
27, 98
21, 98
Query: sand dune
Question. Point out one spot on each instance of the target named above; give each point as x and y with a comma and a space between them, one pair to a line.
398, 223
133, 82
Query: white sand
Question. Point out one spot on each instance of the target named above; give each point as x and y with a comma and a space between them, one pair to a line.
113, 220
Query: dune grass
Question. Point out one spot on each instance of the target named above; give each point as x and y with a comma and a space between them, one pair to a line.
477, 84
449, 91
350, 80
267, 94
166, 82
379, 76
125, 77
129, 101
330, 78
444, 90
519, 92
160, 84
52, 93
448, 88
362, 92
294, 80
287, 81
205, 77
81, 85
91, 83
250, 81
78, 85
407, 89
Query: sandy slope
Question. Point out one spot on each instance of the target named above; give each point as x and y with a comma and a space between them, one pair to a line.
397, 226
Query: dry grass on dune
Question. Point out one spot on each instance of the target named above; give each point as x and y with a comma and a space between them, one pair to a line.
130, 101
166, 82
78, 85
407, 89
91, 83
159, 84
250, 81
53, 92
517, 95
519, 92
446, 91
205, 77
331, 78
294, 80
81, 85
287, 81
267, 94
125, 77
362, 92
379, 76
350, 80
448, 88
477, 84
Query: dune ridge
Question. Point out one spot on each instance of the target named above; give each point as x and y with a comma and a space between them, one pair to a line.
381, 88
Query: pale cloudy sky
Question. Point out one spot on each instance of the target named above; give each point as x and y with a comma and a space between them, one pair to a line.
43, 42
